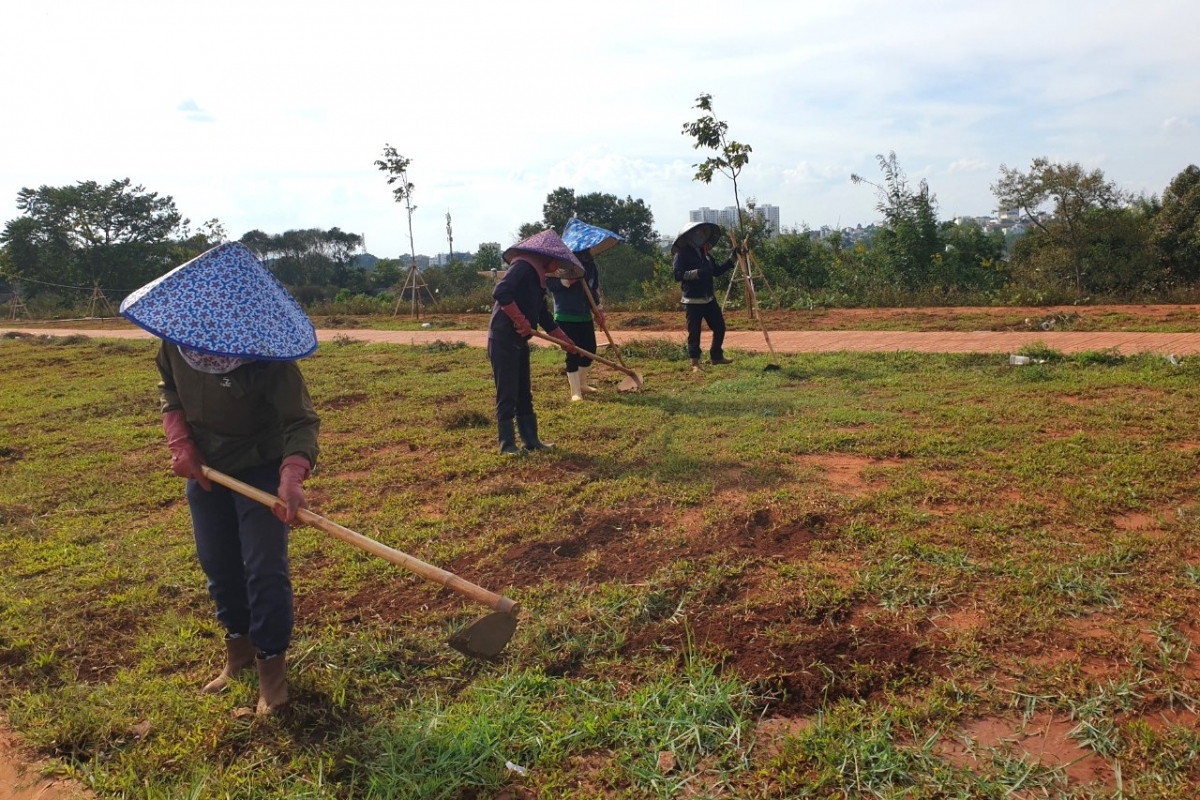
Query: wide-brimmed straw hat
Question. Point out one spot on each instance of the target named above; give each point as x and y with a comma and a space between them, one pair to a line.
547, 243
581, 237
697, 233
224, 302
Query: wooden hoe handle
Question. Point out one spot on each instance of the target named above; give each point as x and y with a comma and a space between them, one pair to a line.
592, 356
415, 565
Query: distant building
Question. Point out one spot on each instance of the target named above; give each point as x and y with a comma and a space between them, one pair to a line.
728, 216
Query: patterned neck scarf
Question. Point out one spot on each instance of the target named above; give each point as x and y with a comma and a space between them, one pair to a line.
214, 365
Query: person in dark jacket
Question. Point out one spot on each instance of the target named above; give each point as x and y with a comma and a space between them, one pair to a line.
573, 313
695, 268
233, 398
520, 304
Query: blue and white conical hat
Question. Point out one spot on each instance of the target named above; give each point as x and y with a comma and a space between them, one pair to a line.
580, 236
224, 302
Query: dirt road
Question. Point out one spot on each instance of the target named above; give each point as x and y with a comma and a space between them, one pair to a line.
1124, 342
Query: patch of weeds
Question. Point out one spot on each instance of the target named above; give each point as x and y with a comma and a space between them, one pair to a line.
442, 346
459, 419
639, 321
656, 349
1039, 351
1099, 358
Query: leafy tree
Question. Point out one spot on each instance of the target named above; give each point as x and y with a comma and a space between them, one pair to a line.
309, 257
794, 258
396, 166
711, 133
973, 258
1176, 233
910, 245
630, 218
623, 270
117, 235
529, 229
487, 257
1075, 194
456, 278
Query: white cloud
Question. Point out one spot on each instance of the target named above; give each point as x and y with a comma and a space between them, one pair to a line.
969, 165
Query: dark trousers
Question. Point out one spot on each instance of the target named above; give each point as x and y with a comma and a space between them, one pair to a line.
584, 335
242, 548
709, 312
510, 371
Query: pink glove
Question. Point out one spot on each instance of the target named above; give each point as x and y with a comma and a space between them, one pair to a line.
292, 474
561, 335
519, 322
186, 458
599, 315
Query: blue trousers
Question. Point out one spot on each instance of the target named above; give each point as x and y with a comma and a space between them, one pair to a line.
242, 548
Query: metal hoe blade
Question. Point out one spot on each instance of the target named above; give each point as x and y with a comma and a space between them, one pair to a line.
486, 636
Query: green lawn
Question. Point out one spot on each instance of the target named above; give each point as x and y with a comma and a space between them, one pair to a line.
864, 575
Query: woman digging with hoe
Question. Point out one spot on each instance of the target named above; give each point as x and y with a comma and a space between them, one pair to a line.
233, 398
521, 297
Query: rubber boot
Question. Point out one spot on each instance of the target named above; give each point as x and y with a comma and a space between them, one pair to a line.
573, 379
721, 359
695, 365
508, 438
527, 427
587, 388
239, 654
272, 683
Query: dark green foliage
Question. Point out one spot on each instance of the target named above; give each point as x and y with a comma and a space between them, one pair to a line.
117, 235
1177, 227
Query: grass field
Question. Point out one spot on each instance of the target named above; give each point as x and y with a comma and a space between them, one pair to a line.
861, 576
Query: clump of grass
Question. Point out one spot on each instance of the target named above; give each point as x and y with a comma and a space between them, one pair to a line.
655, 349
459, 419
442, 346
1039, 351
1099, 358
639, 321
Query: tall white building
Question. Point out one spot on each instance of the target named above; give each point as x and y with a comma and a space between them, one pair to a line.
728, 216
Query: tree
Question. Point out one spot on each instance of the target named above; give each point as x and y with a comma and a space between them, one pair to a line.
713, 134
487, 257
117, 235
1176, 226
910, 244
1074, 194
631, 219
309, 257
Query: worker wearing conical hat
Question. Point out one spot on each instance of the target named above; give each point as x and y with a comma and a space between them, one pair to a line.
695, 268
520, 304
234, 399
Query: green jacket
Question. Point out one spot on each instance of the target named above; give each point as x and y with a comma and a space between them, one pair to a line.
249, 416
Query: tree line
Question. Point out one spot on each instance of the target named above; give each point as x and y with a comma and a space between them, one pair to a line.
1086, 239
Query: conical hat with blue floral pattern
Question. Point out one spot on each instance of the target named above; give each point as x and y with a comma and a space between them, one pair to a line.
224, 302
580, 236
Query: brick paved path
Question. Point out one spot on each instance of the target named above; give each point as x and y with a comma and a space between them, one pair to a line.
1179, 344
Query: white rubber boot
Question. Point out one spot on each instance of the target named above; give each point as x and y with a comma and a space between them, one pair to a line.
583, 381
576, 393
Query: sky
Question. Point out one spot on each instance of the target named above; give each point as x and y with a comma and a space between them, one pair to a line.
270, 115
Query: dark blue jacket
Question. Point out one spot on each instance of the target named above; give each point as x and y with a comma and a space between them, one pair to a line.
521, 285
695, 272
570, 303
